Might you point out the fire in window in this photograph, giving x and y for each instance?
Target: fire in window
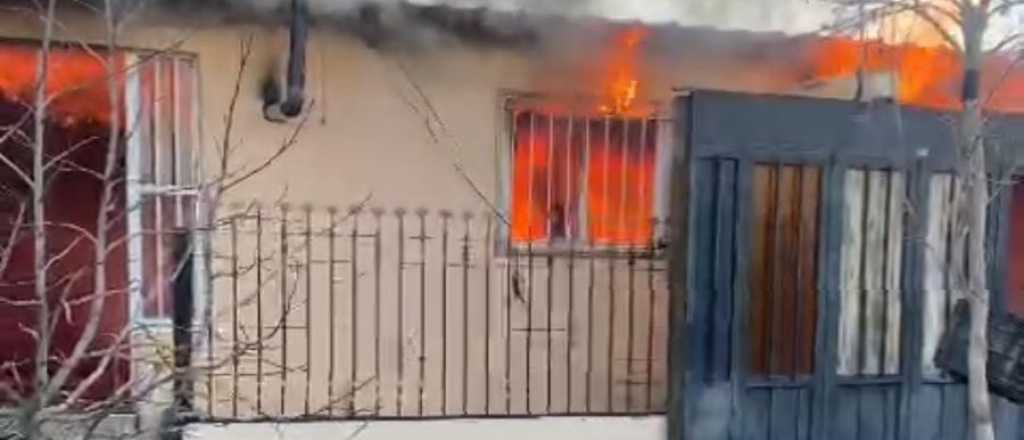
(583, 179)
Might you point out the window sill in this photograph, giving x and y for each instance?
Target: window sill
(572, 249)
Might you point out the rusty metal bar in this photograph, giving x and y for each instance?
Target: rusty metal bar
(568, 325)
(631, 309)
(651, 314)
(551, 176)
(445, 217)
(234, 319)
(511, 286)
(400, 394)
(588, 230)
(465, 314)
(309, 305)
(332, 280)
(610, 363)
(377, 214)
(547, 332)
(259, 310)
(422, 214)
(624, 182)
(605, 220)
(529, 181)
(529, 322)
(570, 210)
(487, 315)
(354, 311)
(571, 233)
(590, 327)
(284, 305)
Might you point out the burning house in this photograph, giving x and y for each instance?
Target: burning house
(400, 213)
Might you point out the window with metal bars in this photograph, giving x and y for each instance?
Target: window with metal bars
(162, 185)
(583, 180)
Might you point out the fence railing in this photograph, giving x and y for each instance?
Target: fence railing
(421, 313)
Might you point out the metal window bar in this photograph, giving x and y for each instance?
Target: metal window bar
(165, 160)
(634, 363)
(546, 145)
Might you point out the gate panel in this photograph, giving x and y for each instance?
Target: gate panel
(710, 312)
(866, 412)
(835, 340)
(783, 297)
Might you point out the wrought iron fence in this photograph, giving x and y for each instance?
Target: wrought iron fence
(373, 313)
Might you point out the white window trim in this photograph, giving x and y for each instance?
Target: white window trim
(136, 191)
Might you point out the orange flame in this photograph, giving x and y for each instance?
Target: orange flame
(924, 76)
(622, 71)
(76, 82)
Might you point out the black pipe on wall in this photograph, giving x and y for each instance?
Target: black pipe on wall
(279, 108)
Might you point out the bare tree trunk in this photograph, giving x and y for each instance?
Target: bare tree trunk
(31, 407)
(975, 200)
(974, 179)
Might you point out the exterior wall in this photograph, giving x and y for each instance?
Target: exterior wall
(567, 428)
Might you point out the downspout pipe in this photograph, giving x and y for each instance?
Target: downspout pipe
(276, 107)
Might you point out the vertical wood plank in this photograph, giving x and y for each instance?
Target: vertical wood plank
(934, 303)
(807, 289)
(850, 280)
(873, 299)
(893, 280)
(761, 266)
(784, 301)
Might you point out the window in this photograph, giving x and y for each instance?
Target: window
(162, 184)
(583, 179)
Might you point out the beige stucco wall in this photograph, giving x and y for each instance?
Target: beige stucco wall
(568, 428)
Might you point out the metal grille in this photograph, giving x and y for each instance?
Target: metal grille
(583, 179)
(162, 186)
(401, 313)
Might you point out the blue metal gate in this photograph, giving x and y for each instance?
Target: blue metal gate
(814, 246)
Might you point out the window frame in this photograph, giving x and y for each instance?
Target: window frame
(140, 191)
(510, 103)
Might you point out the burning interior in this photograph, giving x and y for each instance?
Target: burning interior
(77, 142)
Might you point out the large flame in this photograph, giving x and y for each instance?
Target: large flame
(76, 83)
(621, 65)
(923, 76)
